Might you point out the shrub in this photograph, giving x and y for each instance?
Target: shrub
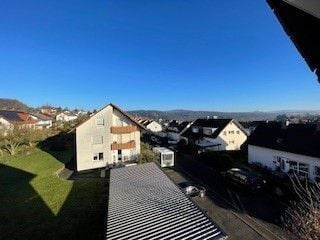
(146, 154)
(302, 219)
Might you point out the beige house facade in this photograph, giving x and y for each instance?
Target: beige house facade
(216, 134)
(108, 137)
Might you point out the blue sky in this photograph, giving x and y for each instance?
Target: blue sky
(161, 54)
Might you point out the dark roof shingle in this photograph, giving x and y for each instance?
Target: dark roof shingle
(296, 138)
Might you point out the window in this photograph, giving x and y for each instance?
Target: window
(99, 121)
(98, 156)
(167, 157)
(207, 131)
(97, 140)
(225, 133)
(300, 169)
(231, 142)
(231, 132)
(238, 132)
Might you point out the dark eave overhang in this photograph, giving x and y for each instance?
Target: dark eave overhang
(301, 21)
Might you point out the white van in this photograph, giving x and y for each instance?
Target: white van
(165, 156)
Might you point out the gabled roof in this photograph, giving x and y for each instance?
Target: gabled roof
(127, 115)
(301, 139)
(42, 116)
(301, 21)
(16, 117)
(11, 116)
(183, 125)
(119, 110)
(178, 127)
(219, 124)
(251, 124)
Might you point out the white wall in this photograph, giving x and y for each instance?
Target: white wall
(228, 141)
(89, 129)
(266, 157)
(65, 118)
(154, 127)
(5, 124)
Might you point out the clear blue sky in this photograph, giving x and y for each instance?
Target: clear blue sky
(142, 54)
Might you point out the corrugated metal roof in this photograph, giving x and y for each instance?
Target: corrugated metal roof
(145, 204)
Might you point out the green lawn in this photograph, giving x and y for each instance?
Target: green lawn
(36, 204)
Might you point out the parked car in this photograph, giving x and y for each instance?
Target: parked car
(245, 178)
(192, 190)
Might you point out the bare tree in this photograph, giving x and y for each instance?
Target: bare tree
(33, 136)
(12, 140)
(302, 219)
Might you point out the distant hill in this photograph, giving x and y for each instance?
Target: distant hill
(13, 104)
(189, 115)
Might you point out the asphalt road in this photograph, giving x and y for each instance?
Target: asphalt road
(263, 209)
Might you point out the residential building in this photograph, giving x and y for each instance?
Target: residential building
(66, 117)
(216, 134)
(292, 149)
(175, 129)
(48, 111)
(44, 121)
(251, 126)
(10, 119)
(110, 136)
(152, 125)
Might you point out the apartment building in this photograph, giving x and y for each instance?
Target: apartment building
(108, 137)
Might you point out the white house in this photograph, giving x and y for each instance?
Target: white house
(110, 136)
(292, 149)
(11, 118)
(152, 125)
(66, 117)
(216, 134)
(44, 121)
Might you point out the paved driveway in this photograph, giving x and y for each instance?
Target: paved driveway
(261, 210)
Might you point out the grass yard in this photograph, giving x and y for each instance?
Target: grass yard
(36, 204)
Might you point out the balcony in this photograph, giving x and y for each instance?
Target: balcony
(124, 129)
(127, 145)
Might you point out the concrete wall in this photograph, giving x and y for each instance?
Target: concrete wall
(266, 157)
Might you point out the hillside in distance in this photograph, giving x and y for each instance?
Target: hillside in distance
(188, 115)
(13, 104)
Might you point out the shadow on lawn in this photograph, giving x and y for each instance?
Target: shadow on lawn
(25, 215)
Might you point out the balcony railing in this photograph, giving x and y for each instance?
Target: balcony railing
(124, 129)
(127, 145)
